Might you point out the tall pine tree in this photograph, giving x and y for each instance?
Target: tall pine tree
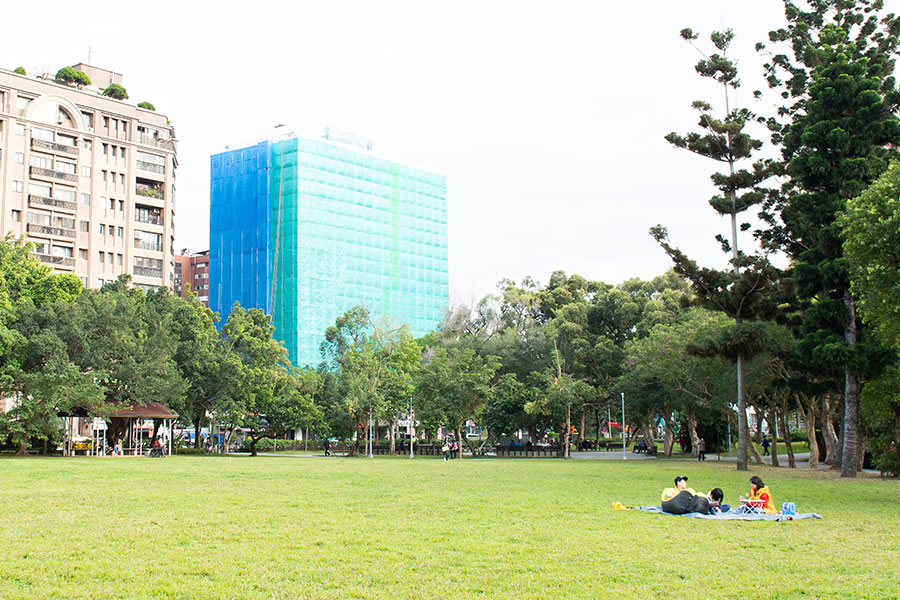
(838, 129)
(743, 292)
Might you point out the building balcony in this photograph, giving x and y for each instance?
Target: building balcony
(52, 175)
(47, 230)
(140, 245)
(54, 203)
(149, 191)
(54, 147)
(151, 220)
(150, 167)
(58, 261)
(148, 272)
(157, 143)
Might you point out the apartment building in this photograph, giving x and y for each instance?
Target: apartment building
(306, 228)
(192, 274)
(88, 179)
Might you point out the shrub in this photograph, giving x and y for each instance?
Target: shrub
(116, 91)
(69, 76)
(20, 71)
(66, 75)
(147, 106)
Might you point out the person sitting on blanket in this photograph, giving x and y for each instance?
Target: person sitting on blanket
(681, 499)
(715, 501)
(759, 491)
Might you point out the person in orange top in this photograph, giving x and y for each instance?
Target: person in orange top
(759, 491)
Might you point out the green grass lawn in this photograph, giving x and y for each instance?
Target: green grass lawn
(280, 527)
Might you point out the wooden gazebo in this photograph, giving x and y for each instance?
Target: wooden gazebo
(136, 414)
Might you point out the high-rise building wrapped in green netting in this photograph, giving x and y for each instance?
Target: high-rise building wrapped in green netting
(307, 228)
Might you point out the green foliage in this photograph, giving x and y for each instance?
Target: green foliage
(838, 130)
(146, 105)
(116, 91)
(20, 71)
(871, 230)
(71, 76)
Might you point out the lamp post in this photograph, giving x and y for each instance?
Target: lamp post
(411, 429)
(371, 439)
(623, 427)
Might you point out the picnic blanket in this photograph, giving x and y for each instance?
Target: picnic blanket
(732, 515)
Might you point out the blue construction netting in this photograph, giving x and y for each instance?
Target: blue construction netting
(239, 245)
(325, 228)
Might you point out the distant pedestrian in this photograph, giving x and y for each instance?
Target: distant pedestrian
(327, 445)
(446, 450)
(701, 449)
(766, 443)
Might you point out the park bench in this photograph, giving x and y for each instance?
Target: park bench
(524, 452)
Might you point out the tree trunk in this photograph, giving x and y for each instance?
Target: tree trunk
(393, 442)
(751, 446)
(599, 429)
(743, 428)
(850, 434)
(459, 441)
(197, 433)
(581, 428)
(809, 418)
(692, 430)
(773, 432)
(568, 433)
(253, 446)
(669, 439)
(792, 462)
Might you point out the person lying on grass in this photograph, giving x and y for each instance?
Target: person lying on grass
(681, 499)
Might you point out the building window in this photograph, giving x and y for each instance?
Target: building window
(105, 124)
(82, 252)
(64, 194)
(119, 259)
(112, 204)
(121, 206)
(102, 256)
(42, 134)
(39, 189)
(17, 185)
(85, 198)
(112, 230)
(85, 227)
(86, 170)
(105, 149)
(102, 229)
(122, 178)
(20, 158)
(20, 128)
(65, 167)
(41, 162)
(119, 232)
(16, 215)
(88, 144)
(148, 241)
(89, 120)
(22, 102)
(103, 176)
(122, 151)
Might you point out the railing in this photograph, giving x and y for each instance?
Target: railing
(151, 167)
(148, 272)
(36, 143)
(48, 230)
(150, 220)
(54, 174)
(56, 260)
(148, 246)
(42, 201)
(151, 141)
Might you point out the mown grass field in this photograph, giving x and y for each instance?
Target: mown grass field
(281, 527)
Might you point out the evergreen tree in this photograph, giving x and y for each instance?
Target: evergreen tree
(742, 292)
(838, 129)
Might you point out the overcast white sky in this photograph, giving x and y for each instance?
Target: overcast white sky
(547, 117)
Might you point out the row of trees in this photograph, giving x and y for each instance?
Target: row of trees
(66, 350)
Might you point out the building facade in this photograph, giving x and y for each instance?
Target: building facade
(307, 228)
(192, 274)
(89, 180)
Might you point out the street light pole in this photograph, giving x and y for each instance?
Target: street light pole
(371, 439)
(411, 429)
(623, 426)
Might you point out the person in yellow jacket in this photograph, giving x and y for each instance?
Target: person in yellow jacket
(759, 491)
(681, 499)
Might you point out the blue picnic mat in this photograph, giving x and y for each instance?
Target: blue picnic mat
(732, 515)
